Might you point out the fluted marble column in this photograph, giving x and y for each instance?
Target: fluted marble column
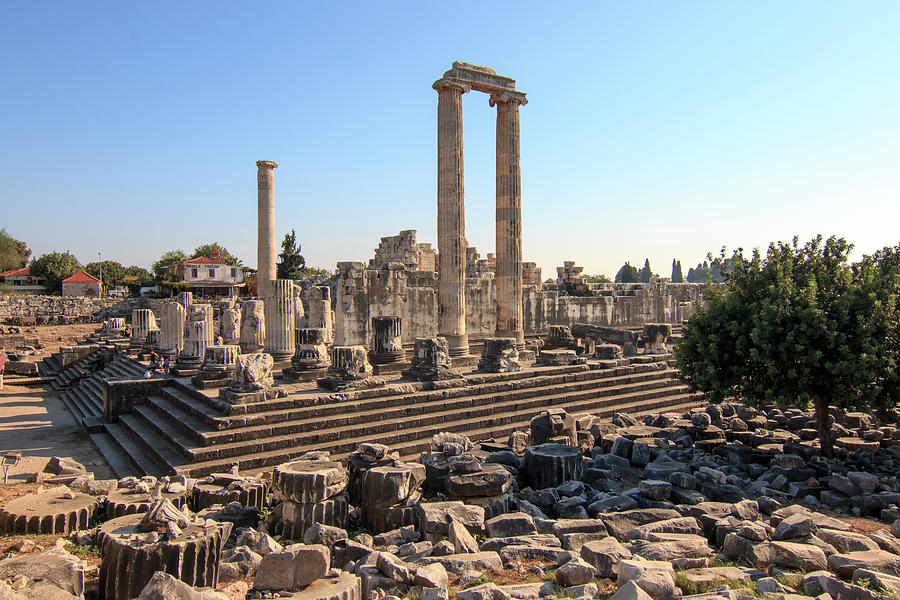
(220, 360)
(253, 326)
(387, 346)
(311, 352)
(230, 325)
(451, 223)
(320, 314)
(265, 234)
(142, 321)
(172, 325)
(508, 280)
(195, 342)
(280, 315)
(185, 298)
(113, 326)
(203, 312)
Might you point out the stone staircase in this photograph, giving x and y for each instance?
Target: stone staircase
(185, 430)
(47, 368)
(80, 386)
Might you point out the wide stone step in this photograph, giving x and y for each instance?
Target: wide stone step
(418, 439)
(189, 413)
(267, 452)
(151, 439)
(167, 427)
(88, 403)
(94, 393)
(94, 386)
(188, 402)
(474, 383)
(135, 452)
(187, 422)
(119, 371)
(48, 366)
(114, 456)
(442, 408)
(73, 403)
(327, 405)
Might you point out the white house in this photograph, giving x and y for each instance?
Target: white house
(210, 276)
(23, 281)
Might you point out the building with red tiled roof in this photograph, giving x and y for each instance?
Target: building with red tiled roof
(202, 260)
(81, 283)
(81, 277)
(22, 280)
(209, 276)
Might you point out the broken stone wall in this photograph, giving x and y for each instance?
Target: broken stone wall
(56, 306)
(412, 295)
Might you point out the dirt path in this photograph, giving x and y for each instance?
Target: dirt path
(35, 421)
(51, 337)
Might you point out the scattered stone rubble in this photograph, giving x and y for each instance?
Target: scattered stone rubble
(721, 502)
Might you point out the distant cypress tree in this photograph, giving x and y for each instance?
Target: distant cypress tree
(646, 273)
(677, 277)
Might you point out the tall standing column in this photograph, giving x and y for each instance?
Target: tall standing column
(172, 336)
(451, 223)
(280, 315)
(509, 218)
(265, 234)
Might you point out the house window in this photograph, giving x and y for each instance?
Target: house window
(212, 273)
(194, 273)
(234, 272)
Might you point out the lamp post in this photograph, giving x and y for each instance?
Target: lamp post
(100, 263)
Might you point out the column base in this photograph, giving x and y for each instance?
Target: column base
(458, 344)
(518, 335)
(302, 375)
(280, 355)
(383, 358)
(466, 360)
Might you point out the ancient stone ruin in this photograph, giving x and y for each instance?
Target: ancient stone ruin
(575, 505)
(439, 425)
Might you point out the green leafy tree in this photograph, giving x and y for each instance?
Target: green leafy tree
(711, 272)
(55, 266)
(161, 266)
(290, 263)
(627, 274)
(798, 326)
(677, 276)
(699, 274)
(135, 278)
(13, 253)
(599, 278)
(208, 250)
(113, 272)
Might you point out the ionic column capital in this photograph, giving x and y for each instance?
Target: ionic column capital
(267, 164)
(448, 83)
(518, 97)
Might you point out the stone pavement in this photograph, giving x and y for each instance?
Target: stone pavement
(36, 422)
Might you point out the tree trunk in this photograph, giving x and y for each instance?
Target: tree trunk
(822, 421)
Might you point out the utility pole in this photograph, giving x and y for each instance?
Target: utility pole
(100, 262)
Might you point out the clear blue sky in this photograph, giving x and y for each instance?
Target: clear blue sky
(653, 129)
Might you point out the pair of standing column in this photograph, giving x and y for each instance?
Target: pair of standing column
(451, 217)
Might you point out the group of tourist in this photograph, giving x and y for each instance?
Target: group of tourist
(159, 364)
